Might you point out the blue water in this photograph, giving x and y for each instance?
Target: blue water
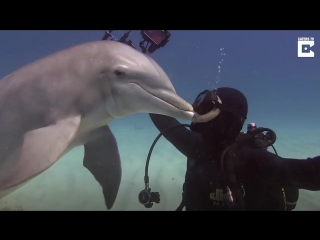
(282, 89)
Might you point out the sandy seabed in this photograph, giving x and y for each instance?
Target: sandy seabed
(67, 185)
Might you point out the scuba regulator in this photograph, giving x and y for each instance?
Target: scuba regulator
(259, 137)
(152, 39)
(146, 197)
(254, 137)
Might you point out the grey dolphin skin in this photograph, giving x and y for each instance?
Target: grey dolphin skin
(67, 99)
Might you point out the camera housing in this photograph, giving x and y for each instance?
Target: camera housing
(151, 39)
(156, 39)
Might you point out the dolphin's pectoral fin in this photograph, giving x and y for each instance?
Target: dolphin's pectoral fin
(41, 148)
(102, 159)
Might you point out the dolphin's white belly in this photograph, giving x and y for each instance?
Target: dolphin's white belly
(85, 134)
(7, 165)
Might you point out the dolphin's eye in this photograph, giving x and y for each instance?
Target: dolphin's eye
(118, 73)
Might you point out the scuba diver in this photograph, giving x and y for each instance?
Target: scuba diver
(223, 175)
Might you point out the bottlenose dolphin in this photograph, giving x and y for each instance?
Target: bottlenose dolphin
(67, 99)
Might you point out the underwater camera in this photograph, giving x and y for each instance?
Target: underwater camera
(152, 39)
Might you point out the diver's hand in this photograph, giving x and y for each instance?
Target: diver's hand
(197, 118)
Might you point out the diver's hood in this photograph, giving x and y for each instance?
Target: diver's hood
(228, 124)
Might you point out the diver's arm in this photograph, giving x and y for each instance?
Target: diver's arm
(300, 173)
(181, 137)
(304, 173)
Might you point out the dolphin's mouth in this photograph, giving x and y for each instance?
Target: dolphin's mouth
(170, 98)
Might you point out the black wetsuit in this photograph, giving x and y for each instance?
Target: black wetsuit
(265, 173)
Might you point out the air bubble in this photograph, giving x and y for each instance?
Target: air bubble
(222, 53)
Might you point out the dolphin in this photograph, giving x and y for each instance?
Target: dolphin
(67, 99)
